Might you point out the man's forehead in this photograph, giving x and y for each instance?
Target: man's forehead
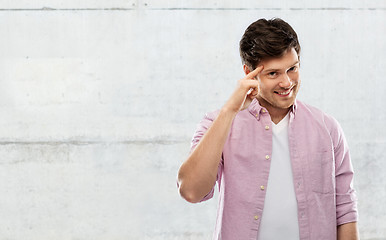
(286, 61)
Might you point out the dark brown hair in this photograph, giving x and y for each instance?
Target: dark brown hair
(265, 39)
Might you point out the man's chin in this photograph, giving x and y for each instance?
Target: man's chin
(282, 105)
(273, 103)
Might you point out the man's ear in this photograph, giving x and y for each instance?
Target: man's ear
(246, 69)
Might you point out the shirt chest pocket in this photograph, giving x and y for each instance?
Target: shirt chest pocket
(321, 171)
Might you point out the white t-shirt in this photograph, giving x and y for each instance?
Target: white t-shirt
(280, 214)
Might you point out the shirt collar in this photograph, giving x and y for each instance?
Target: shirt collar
(256, 109)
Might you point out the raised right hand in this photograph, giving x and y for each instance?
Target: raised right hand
(247, 89)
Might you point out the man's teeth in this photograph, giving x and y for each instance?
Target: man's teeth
(284, 93)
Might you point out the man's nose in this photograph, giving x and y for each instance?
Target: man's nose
(285, 81)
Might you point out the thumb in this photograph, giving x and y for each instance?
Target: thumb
(247, 102)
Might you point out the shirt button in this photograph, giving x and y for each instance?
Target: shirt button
(263, 110)
(256, 217)
(267, 157)
(266, 127)
(256, 114)
(262, 187)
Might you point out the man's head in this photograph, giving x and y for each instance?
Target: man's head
(274, 45)
(265, 39)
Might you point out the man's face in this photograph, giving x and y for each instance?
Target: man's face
(279, 82)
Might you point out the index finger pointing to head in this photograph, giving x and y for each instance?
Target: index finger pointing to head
(255, 72)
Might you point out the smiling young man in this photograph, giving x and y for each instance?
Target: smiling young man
(283, 167)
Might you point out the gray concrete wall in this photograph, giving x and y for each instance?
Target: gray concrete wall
(99, 100)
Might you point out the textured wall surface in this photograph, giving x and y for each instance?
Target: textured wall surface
(99, 100)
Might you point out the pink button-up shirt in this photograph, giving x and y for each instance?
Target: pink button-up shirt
(321, 166)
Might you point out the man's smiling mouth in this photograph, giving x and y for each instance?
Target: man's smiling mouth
(285, 93)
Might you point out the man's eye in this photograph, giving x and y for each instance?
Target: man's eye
(272, 74)
(292, 69)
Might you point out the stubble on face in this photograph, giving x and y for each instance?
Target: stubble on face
(273, 89)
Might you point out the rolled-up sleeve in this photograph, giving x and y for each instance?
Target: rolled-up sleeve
(346, 199)
(202, 127)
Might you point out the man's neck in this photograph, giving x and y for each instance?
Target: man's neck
(277, 117)
(277, 114)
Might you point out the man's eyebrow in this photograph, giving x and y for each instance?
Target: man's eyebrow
(277, 69)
